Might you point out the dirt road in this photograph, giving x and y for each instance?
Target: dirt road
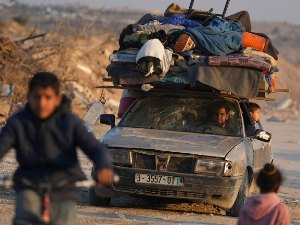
(127, 210)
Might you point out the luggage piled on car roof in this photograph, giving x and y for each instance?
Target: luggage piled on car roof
(195, 49)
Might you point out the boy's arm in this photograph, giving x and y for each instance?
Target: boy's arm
(91, 146)
(7, 138)
(96, 152)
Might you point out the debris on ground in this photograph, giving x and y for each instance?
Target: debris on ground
(75, 56)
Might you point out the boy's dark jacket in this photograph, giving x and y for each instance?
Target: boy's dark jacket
(46, 150)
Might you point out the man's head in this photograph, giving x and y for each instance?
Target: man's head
(254, 111)
(223, 115)
(43, 96)
(190, 117)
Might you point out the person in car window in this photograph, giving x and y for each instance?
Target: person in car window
(190, 118)
(223, 114)
(170, 121)
(255, 114)
(254, 111)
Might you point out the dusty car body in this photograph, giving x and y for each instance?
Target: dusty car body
(201, 161)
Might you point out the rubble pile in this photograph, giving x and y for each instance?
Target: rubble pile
(8, 51)
(78, 58)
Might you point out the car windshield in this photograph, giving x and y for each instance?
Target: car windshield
(217, 116)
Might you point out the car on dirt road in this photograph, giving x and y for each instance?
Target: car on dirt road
(188, 146)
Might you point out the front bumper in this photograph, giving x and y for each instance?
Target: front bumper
(219, 191)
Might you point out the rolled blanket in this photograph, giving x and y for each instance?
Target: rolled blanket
(239, 60)
(257, 42)
(252, 52)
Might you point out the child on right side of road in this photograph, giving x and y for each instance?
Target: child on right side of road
(265, 208)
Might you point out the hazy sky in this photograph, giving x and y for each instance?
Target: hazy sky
(260, 10)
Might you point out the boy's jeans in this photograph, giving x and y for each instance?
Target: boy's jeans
(28, 209)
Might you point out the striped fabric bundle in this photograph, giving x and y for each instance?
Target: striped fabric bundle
(240, 60)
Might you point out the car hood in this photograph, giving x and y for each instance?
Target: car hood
(170, 141)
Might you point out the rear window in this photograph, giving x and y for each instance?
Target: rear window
(217, 116)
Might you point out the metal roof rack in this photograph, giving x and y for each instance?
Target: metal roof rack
(224, 11)
(194, 91)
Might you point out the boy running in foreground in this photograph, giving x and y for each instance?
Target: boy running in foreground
(45, 135)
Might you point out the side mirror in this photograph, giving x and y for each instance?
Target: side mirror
(262, 135)
(108, 119)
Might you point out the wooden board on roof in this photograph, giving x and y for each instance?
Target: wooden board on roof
(263, 93)
(221, 93)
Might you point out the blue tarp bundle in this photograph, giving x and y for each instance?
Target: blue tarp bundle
(220, 37)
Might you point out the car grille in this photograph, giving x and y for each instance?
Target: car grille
(143, 161)
(176, 164)
(180, 165)
(158, 192)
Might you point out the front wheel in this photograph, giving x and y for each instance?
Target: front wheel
(241, 197)
(94, 199)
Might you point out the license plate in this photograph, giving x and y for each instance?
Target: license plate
(158, 179)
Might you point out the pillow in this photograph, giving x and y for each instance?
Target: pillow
(184, 43)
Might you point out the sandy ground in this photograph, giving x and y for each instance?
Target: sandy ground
(127, 210)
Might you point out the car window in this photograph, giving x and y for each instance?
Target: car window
(185, 114)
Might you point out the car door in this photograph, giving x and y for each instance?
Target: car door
(267, 148)
(260, 156)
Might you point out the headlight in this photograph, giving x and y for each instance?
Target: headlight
(213, 167)
(121, 157)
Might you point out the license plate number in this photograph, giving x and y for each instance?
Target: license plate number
(158, 179)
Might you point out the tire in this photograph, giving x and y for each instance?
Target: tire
(94, 199)
(241, 197)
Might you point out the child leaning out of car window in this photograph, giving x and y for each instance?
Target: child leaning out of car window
(265, 208)
(254, 110)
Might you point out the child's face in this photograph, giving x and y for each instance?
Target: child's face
(43, 101)
(255, 115)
